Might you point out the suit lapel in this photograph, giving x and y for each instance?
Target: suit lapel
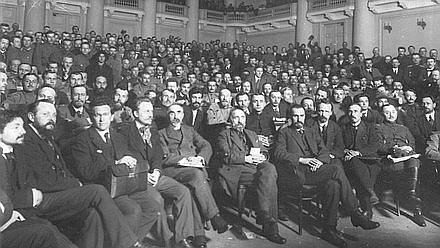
(138, 143)
(296, 137)
(41, 143)
(360, 132)
(236, 140)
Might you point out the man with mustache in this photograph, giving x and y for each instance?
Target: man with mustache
(194, 115)
(304, 158)
(181, 143)
(360, 155)
(101, 89)
(397, 139)
(241, 166)
(121, 112)
(18, 226)
(423, 124)
(57, 195)
(76, 113)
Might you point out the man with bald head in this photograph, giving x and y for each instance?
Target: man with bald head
(244, 161)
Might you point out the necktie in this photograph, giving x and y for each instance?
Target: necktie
(146, 135)
(431, 121)
(107, 138)
(9, 156)
(324, 133)
(78, 114)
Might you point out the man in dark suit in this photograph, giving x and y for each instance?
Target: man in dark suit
(329, 130)
(98, 148)
(396, 71)
(261, 121)
(194, 115)
(369, 72)
(303, 158)
(241, 165)
(182, 146)
(361, 143)
(425, 123)
(17, 230)
(143, 142)
(258, 79)
(55, 194)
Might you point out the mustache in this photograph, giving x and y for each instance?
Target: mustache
(322, 119)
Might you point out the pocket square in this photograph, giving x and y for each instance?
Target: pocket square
(99, 151)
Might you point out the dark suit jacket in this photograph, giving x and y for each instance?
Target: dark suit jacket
(421, 129)
(334, 137)
(233, 154)
(21, 197)
(137, 146)
(370, 76)
(41, 167)
(200, 121)
(91, 158)
(288, 149)
(366, 140)
(7, 204)
(192, 144)
(258, 88)
(399, 76)
(283, 109)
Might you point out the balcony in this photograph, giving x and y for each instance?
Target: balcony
(172, 9)
(125, 4)
(330, 10)
(383, 6)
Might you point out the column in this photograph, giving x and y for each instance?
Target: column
(363, 27)
(192, 28)
(149, 19)
(231, 34)
(95, 17)
(303, 26)
(34, 15)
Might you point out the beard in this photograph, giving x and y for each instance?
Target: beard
(322, 119)
(298, 125)
(175, 121)
(46, 130)
(118, 106)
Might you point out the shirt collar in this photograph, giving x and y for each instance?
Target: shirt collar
(6, 148)
(102, 134)
(80, 109)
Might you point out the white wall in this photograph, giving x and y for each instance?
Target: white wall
(279, 37)
(405, 32)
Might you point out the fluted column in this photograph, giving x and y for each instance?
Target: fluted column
(303, 26)
(363, 27)
(95, 17)
(34, 15)
(192, 28)
(149, 19)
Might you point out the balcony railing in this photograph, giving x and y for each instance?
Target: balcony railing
(327, 4)
(265, 14)
(172, 9)
(130, 4)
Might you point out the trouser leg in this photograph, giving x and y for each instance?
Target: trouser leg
(183, 209)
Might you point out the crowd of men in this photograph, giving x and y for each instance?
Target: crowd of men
(199, 117)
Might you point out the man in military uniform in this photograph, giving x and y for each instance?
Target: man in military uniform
(21, 99)
(396, 140)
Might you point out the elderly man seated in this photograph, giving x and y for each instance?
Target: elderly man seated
(244, 162)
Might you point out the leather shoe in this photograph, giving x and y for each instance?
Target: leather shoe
(332, 236)
(357, 219)
(282, 215)
(184, 243)
(276, 238)
(418, 218)
(138, 245)
(199, 241)
(219, 224)
(368, 214)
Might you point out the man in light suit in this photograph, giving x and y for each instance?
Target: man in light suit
(239, 166)
(303, 158)
(181, 143)
(369, 72)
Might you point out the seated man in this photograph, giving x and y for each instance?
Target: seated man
(98, 148)
(303, 158)
(143, 142)
(53, 193)
(181, 143)
(15, 229)
(240, 165)
(360, 156)
(396, 140)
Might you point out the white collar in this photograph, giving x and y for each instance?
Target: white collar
(102, 133)
(6, 148)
